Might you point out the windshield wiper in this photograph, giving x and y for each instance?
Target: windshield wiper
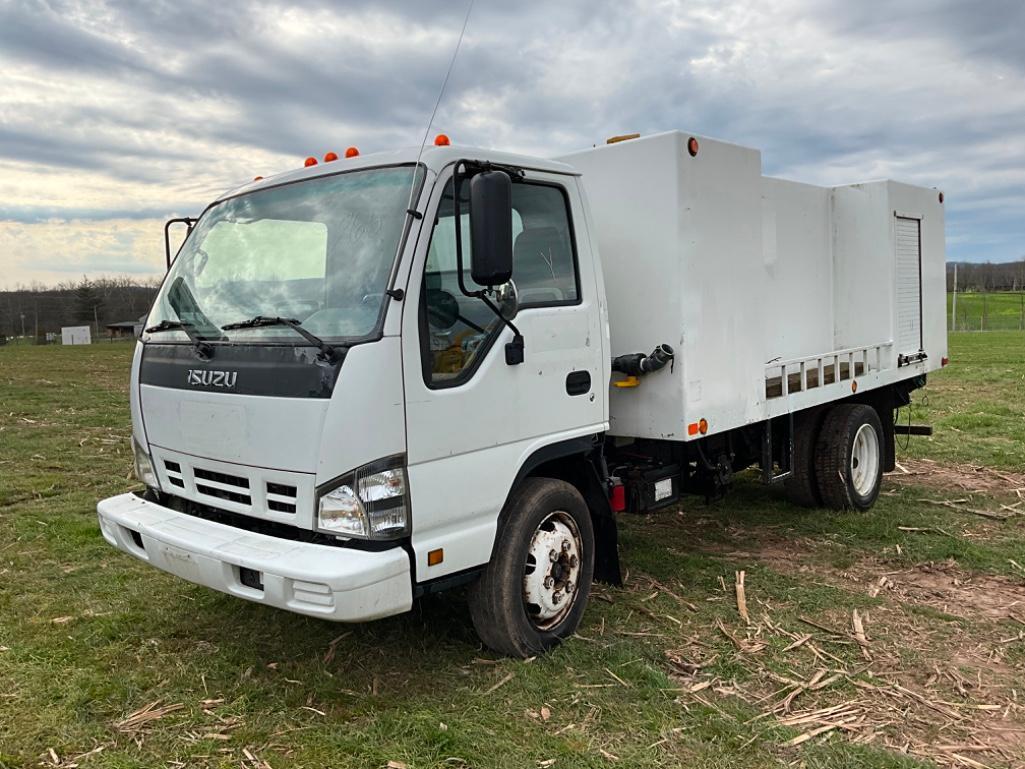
(327, 351)
(199, 342)
(168, 325)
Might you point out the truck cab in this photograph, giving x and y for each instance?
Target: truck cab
(324, 410)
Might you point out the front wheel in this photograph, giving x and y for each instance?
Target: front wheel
(849, 457)
(534, 591)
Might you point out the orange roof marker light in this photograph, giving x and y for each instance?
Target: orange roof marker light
(441, 140)
(351, 152)
(310, 162)
(693, 147)
(257, 178)
(331, 156)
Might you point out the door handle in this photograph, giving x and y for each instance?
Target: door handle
(578, 382)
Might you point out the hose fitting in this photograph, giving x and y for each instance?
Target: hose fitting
(637, 363)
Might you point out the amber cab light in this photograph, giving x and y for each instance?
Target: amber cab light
(310, 162)
(441, 140)
(331, 156)
(693, 147)
(351, 152)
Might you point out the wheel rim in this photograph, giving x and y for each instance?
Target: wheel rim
(865, 460)
(552, 571)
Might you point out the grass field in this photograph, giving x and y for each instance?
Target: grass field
(995, 311)
(105, 662)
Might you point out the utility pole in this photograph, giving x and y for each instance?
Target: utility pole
(953, 314)
(96, 321)
(23, 324)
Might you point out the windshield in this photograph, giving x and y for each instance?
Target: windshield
(320, 251)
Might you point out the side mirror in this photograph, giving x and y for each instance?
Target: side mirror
(491, 228)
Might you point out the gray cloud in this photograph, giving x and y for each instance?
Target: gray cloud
(125, 110)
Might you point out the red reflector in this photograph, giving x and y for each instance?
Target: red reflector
(351, 152)
(310, 162)
(617, 498)
(944, 360)
(692, 428)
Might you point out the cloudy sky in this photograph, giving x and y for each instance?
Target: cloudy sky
(115, 115)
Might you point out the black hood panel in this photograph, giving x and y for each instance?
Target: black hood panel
(285, 371)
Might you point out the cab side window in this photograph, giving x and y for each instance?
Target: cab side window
(459, 330)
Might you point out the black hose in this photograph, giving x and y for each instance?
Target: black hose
(637, 363)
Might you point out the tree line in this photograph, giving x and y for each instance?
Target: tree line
(987, 276)
(36, 310)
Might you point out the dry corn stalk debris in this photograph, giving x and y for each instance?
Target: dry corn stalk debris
(944, 716)
(145, 715)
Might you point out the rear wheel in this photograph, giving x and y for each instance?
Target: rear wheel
(534, 591)
(849, 457)
(800, 486)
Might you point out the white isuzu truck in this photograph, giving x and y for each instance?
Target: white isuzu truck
(382, 376)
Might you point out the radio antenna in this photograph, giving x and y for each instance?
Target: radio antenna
(437, 103)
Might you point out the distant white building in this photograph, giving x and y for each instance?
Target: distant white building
(76, 335)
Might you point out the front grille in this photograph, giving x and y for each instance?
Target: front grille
(222, 486)
(174, 473)
(231, 480)
(281, 497)
(277, 495)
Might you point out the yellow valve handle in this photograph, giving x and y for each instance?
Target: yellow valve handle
(630, 381)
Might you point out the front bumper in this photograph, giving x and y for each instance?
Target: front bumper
(338, 584)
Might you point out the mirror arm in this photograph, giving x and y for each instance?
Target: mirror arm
(513, 349)
(189, 222)
(457, 183)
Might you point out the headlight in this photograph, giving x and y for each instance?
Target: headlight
(370, 503)
(144, 466)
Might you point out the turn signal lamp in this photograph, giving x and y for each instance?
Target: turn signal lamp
(351, 152)
(330, 157)
(434, 557)
(441, 140)
(310, 162)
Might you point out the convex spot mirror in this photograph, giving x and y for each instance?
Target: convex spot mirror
(507, 300)
(491, 228)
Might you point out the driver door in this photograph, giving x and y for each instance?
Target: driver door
(472, 420)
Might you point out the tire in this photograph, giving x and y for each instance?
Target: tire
(542, 514)
(801, 486)
(849, 457)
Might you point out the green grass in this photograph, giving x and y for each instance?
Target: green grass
(994, 311)
(89, 635)
(977, 404)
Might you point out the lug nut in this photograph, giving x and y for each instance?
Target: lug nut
(549, 582)
(569, 588)
(553, 556)
(573, 561)
(565, 545)
(556, 597)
